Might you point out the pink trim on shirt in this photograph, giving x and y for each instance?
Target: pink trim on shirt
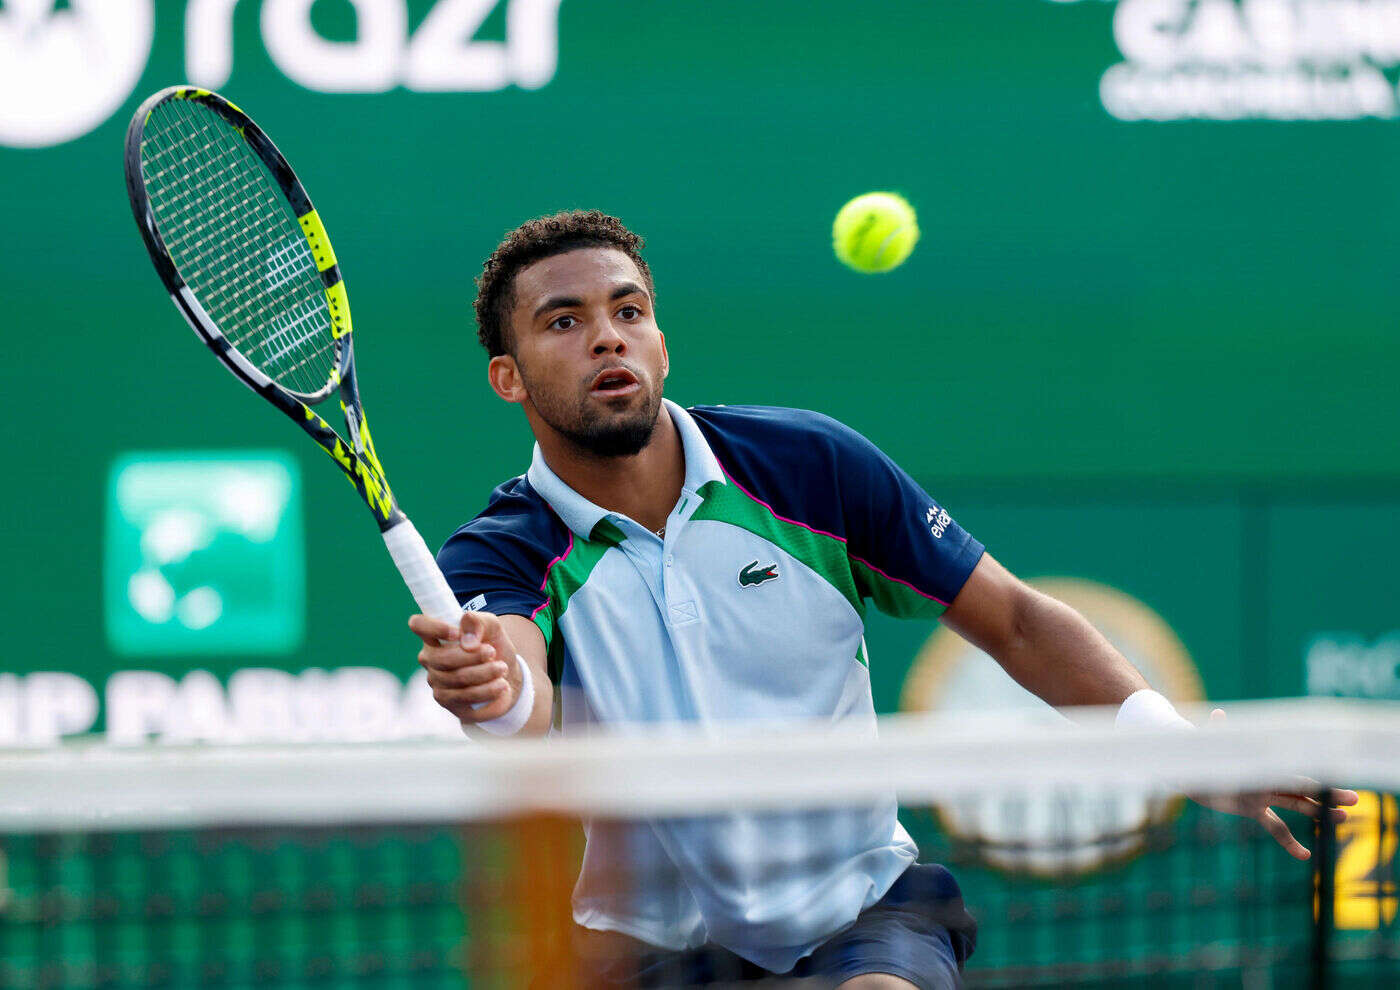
(891, 577)
(839, 539)
(549, 567)
(810, 529)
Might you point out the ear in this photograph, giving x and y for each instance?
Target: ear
(504, 375)
(665, 358)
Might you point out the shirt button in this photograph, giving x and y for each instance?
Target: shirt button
(669, 560)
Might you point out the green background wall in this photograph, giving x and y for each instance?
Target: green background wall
(1157, 355)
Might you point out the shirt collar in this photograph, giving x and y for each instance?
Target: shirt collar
(581, 515)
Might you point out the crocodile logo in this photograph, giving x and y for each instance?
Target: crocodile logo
(755, 574)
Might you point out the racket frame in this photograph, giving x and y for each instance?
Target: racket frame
(357, 458)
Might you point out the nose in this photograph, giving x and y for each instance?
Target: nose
(608, 340)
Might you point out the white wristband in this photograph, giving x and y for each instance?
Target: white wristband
(1146, 709)
(512, 721)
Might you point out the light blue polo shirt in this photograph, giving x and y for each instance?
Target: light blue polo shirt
(750, 607)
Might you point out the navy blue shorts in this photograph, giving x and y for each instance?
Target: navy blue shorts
(919, 931)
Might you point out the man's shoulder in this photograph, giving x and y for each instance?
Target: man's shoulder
(775, 426)
(798, 439)
(515, 516)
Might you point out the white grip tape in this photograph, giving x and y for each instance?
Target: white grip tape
(420, 572)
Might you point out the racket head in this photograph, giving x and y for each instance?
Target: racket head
(238, 244)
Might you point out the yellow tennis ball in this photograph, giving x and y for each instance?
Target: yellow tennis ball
(875, 232)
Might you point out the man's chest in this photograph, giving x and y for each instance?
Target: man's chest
(716, 622)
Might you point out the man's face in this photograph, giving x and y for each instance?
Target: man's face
(588, 350)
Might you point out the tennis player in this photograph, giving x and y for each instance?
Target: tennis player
(712, 565)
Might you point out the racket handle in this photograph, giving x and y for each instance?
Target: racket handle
(421, 573)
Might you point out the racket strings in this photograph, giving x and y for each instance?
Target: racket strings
(237, 244)
(307, 322)
(266, 345)
(279, 346)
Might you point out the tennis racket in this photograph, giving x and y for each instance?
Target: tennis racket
(246, 260)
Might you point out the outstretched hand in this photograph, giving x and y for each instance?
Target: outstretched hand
(1259, 805)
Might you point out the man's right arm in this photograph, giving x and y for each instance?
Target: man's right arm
(474, 664)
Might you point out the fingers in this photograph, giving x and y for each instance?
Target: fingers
(484, 711)
(1301, 803)
(474, 704)
(445, 647)
(432, 631)
(1305, 790)
(478, 627)
(1274, 825)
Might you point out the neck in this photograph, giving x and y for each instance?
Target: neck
(644, 487)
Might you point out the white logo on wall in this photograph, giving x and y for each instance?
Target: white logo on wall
(1253, 59)
(63, 72)
(1348, 665)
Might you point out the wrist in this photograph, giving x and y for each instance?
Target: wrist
(519, 713)
(1147, 709)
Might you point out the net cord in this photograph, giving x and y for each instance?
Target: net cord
(924, 759)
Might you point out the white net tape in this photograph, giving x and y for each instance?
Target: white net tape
(924, 759)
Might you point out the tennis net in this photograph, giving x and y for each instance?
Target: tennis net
(452, 864)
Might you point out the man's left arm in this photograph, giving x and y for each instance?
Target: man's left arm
(1049, 648)
(1054, 652)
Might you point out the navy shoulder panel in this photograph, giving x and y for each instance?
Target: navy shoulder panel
(907, 553)
(503, 554)
(788, 458)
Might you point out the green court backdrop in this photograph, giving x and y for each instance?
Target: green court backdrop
(1147, 341)
(1157, 354)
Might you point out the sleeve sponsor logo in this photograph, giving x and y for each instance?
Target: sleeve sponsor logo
(938, 521)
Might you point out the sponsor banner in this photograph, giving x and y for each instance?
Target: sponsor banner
(1348, 665)
(253, 705)
(1253, 59)
(204, 553)
(66, 68)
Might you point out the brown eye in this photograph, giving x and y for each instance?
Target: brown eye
(559, 323)
(629, 312)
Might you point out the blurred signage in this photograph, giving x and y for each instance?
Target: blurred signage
(1366, 895)
(1253, 59)
(204, 554)
(253, 705)
(950, 674)
(1350, 666)
(67, 65)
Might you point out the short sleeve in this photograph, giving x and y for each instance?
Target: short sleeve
(907, 554)
(498, 562)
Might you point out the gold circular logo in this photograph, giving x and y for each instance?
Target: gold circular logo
(1045, 832)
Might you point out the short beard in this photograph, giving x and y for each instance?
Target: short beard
(585, 429)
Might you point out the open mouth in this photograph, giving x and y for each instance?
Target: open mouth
(615, 382)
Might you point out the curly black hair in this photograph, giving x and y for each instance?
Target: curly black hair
(528, 243)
